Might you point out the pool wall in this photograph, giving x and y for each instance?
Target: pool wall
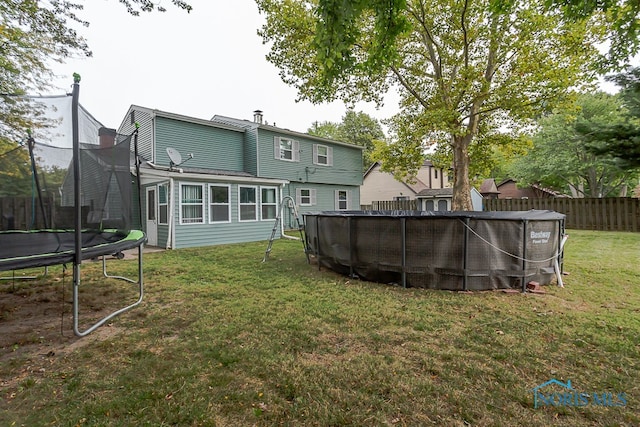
(439, 250)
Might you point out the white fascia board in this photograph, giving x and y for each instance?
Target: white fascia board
(150, 175)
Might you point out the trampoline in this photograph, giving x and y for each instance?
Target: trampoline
(457, 251)
(93, 204)
(43, 248)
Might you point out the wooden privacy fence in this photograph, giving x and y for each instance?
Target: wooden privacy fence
(391, 205)
(24, 213)
(607, 214)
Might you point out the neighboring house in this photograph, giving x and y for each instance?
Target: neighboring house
(378, 185)
(508, 189)
(439, 199)
(233, 176)
(489, 189)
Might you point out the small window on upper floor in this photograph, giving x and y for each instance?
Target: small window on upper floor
(322, 155)
(306, 196)
(132, 117)
(286, 149)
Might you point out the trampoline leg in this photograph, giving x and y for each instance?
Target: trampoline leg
(76, 284)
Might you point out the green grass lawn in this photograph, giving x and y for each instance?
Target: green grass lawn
(223, 339)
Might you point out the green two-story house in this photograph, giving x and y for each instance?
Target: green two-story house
(208, 182)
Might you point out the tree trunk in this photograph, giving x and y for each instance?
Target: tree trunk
(461, 186)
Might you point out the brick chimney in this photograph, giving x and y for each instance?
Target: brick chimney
(107, 137)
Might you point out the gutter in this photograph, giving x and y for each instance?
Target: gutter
(167, 172)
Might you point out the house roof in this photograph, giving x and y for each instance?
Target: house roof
(436, 192)
(164, 172)
(535, 187)
(183, 118)
(416, 186)
(488, 186)
(374, 164)
(248, 124)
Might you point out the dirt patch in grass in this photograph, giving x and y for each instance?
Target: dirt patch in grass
(36, 320)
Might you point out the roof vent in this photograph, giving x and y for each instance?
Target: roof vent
(257, 116)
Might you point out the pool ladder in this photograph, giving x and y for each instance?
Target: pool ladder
(291, 204)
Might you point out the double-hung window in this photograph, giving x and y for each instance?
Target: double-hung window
(343, 200)
(286, 149)
(248, 200)
(191, 204)
(306, 196)
(163, 204)
(322, 155)
(268, 202)
(219, 203)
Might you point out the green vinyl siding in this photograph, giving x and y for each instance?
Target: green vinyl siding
(250, 151)
(208, 234)
(145, 131)
(324, 199)
(345, 170)
(212, 147)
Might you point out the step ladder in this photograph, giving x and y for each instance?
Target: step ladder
(291, 204)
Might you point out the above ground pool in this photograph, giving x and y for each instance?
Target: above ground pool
(439, 250)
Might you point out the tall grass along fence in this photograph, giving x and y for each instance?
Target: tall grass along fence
(607, 214)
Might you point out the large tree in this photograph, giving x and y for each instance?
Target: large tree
(464, 69)
(357, 128)
(560, 158)
(623, 37)
(33, 34)
(621, 140)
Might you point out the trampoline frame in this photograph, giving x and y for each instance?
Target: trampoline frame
(135, 238)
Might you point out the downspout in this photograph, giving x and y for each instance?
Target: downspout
(281, 209)
(171, 241)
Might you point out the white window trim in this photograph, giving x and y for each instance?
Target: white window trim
(228, 204)
(295, 149)
(316, 156)
(269, 204)
(256, 203)
(166, 185)
(313, 200)
(337, 200)
(202, 204)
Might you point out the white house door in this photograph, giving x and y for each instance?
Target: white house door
(152, 217)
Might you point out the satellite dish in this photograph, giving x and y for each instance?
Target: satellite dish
(174, 156)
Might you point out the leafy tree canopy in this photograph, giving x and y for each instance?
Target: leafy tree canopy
(32, 34)
(624, 18)
(621, 140)
(560, 159)
(465, 70)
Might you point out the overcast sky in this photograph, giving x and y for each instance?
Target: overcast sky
(210, 61)
(207, 62)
